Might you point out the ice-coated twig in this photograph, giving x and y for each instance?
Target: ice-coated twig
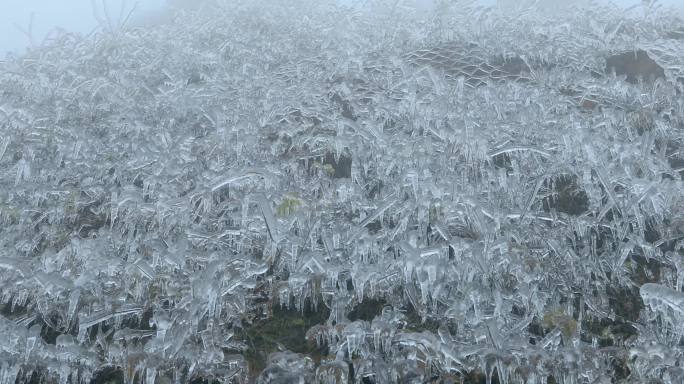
(87, 321)
(267, 213)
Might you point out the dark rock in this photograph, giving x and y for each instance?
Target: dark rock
(503, 161)
(203, 380)
(567, 196)
(470, 62)
(608, 332)
(644, 270)
(345, 105)
(341, 166)
(621, 370)
(374, 227)
(625, 302)
(512, 68)
(194, 78)
(367, 310)
(138, 181)
(635, 65)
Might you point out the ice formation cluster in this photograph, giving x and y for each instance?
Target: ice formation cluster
(296, 192)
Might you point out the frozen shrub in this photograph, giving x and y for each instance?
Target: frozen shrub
(290, 191)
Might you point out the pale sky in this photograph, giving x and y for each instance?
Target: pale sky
(77, 15)
(72, 15)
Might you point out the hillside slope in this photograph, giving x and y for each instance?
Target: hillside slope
(286, 191)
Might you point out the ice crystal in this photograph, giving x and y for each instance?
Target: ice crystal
(292, 191)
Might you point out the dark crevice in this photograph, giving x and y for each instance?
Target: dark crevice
(635, 66)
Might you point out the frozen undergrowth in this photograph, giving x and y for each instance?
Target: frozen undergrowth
(506, 209)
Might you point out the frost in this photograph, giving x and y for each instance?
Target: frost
(289, 191)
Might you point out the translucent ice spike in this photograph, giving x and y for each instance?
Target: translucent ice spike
(333, 372)
(98, 317)
(518, 148)
(73, 304)
(225, 181)
(387, 203)
(11, 264)
(52, 282)
(267, 212)
(287, 367)
(9, 372)
(658, 296)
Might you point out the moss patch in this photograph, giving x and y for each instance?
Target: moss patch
(108, 375)
(644, 270)
(477, 377)
(564, 322)
(286, 329)
(414, 323)
(288, 206)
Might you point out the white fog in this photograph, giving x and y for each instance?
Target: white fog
(367, 192)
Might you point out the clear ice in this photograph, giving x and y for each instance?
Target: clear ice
(277, 191)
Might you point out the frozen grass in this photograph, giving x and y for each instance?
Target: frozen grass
(286, 190)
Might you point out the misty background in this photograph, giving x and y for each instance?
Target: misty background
(26, 22)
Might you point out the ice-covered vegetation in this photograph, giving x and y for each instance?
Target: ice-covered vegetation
(289, 191)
